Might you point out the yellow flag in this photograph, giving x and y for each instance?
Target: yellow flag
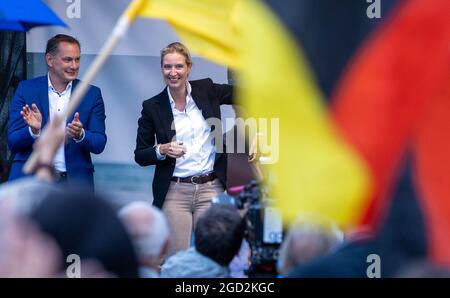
(206, 26)
(313, 170)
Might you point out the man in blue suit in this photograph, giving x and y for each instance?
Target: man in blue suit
(35, 103)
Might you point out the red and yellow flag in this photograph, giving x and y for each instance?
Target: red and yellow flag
(396, 96)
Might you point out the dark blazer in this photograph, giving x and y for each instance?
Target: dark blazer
(156, 120)
(77, 155)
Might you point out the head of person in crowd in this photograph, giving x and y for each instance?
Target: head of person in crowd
(308, 238)
(150, 233)
(176, 65)
(20, 197)
(27, 252)
(218, 238)
(62, 55)
(219, 233)
(84, 226)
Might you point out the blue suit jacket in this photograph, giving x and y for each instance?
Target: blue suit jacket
(78, 155)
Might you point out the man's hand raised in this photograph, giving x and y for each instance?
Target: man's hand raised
(32, 117)
(75, 128)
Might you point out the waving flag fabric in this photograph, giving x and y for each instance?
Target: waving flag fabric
(396, 96)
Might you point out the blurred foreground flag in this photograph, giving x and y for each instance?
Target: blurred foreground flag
(314, 170)
(395, 97)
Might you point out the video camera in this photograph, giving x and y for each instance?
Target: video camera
(264, 228)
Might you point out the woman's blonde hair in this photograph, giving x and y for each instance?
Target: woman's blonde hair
(177, 47)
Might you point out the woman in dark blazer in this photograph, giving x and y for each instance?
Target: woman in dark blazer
(190, 163)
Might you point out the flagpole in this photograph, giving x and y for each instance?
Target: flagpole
(120, 29)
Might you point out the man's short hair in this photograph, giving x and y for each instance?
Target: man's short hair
(52, 43)
(22, 196)
(219, 233)
(150, 235)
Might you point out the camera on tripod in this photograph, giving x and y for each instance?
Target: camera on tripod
(264, 228)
